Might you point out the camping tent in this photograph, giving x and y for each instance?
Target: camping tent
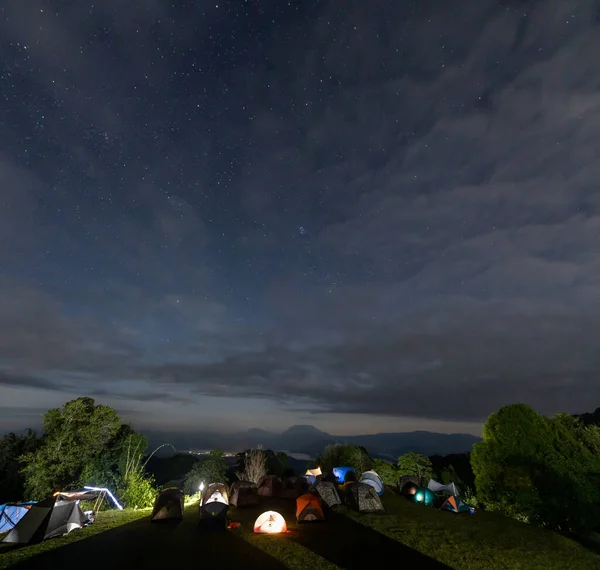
(168, 505)
(243, 494)
(364, 499)
(342, 474)
(424, 496)
(328, 493)
(309, 509)
(12, 513)
(293, 487)
(436, 487)
(213, 515)
(455, 504)
(409, 489)
(216, 492)
(373, 479)
(51, 517)
(270, 522)
(313, 472)
(269, 486)
(405, 479)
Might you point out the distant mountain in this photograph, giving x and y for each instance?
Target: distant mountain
(309, 440)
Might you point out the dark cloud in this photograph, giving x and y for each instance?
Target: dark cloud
(396, 214)
(7, 378)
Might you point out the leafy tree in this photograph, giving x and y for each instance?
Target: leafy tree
(73, 437)
(338, 454)
(12, 447)
(254, 466)
(413, 463)
(541, 470)
(387, 471)
(211, 469)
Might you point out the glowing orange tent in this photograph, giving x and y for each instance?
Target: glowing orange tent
(309, 509)
(270, 522)
(313, 472)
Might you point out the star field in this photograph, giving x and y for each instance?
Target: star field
(327, 212)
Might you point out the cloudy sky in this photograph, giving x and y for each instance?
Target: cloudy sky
(367, 216)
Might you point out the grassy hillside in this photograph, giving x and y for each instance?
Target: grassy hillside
(483, 540)
(415, 535)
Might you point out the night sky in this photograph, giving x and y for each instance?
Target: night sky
(363, 215)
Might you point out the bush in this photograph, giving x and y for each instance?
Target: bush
(138, 491)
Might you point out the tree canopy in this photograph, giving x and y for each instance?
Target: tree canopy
(73, 436)
(340, 454)
(387, 471)
(86, 444)
(413, 463)
(538, 469)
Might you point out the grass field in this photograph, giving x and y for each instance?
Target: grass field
(105, 520)
(480, 541)
(409, 534)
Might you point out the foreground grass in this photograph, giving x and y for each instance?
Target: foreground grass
(105, 520)
(480, 541)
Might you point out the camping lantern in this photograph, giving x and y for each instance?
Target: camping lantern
(270, 522)
(201, 488)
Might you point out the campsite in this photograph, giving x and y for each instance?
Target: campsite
(107, 503)
(407, 531)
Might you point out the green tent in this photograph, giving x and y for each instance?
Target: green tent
(424, 496)
(455, 504)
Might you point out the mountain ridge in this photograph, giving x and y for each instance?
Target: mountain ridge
(309, 440)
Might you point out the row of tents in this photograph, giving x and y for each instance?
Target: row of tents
(217, 498)
(435, 494)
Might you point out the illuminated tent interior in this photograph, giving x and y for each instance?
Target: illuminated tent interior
(270, 522)
(424, 496)
(344, 474)
(216, 492)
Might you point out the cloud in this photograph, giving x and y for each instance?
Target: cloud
(443, 166)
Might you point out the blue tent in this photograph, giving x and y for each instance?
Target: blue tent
(11, 514)
(341, 473)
